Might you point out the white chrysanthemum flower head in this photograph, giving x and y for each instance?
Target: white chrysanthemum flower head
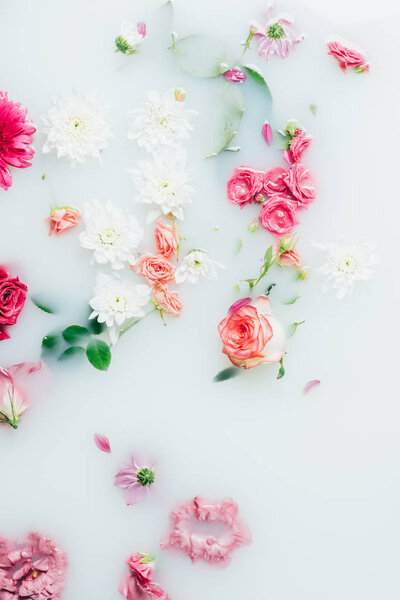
(130, 38)
(77, 126)
(115, 300)
(164, 184)
(195, 264)
(162, 122)
(111, 233)
(346, 263)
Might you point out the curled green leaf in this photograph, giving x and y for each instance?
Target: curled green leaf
(42, 306)
(281, 371)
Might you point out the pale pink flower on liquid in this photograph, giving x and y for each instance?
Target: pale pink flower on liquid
(155, 268)
(14, 398)
(136, 480)
(62, 219)
(348, 58)
(297, 181)
(167, 300)
(277, 36)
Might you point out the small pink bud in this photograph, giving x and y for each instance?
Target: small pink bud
(141, 27)
(267, 133)
(235, 75)
(180, 95)
(102, 442)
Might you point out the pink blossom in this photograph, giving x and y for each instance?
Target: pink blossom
(62, 219)
(16, 135)
(32, 569)
(274, 182)
(138, 584)
(141, 27)
(277, 36)
(298, 144)
(167, 300)
(136, 480)
(155, 268)
(207, 547)
(244, 185)
(279, 214)
(289, 258)
(296, 180)
(235, 75)
(14, 399)
(102, 442)
(167, 239)
(348, 58)
(266, 132)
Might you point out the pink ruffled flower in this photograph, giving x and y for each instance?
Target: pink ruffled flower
(252, 335)
(167, 239)
(62, 219)
(274, 182)
(14, 389)
(279, 214)
(207, 547)
(348, 58)
(235, 75)
(277, 37)
(33, 569)
(298, 144)
(16, 135)
(244, 185)
(12, 300)
(138, 585)
(167, 300)
(296, 180)
(156, 268)
(136, 480)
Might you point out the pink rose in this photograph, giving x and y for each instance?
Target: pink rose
(166, 239)
(290, 258)
(156, 269)
(273, 182)
(347, 57)
(279, 214)
(297, 146)
(142, 570)
(167, 300)
(252, 335)
(244, 185)
(12, 300)
(296, 179)
(62, 219)
(235, 75)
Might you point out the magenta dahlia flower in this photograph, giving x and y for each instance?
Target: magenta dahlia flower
(16, 135)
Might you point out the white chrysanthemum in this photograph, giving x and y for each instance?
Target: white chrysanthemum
(115, 300)
(163, 183)
(347, 262)
(112, 233)
(77, 126)
(197, 263)
(162, 122)
(131, 37)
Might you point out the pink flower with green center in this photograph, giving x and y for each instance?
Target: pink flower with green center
(277, 36)
(136, 479)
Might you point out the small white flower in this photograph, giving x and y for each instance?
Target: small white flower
(115, 300)
(112, 233)
(197, 263)
(163, 183)
(77, 126)
(160, 123)
(347, 262)
(130, 38)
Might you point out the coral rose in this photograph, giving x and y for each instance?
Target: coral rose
(296, 148)
(348, 58)
(296, 180)
(279, 215)
(156, 268)
(62, 219)
(167, 300)
(244, 185)
(252, 335)
(12, 300)
(273, 182)
(166, 239)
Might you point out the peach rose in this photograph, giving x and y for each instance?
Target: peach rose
(62, 219)
(167, 300)
(252, 335)
(166, 239)
(156, 268)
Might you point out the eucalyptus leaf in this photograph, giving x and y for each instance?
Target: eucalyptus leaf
(226, 374)
(202, 55)
(71, 352)
(75, 334)
(229, 113)
(42, 306)
(98, 354)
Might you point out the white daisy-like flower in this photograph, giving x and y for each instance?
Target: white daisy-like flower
(162, 122)
(163, 183)
(115, 300)
(346, 263)
(112, 233)
(77, 126)
(195, 264)
(130, 38)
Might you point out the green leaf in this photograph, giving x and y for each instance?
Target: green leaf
(256, 75)
(294, 326)
(281, 371)
(42, 306)
(75, 333)
(314, 108)
(49, 342)
(269, 289)
(43, 176)
(99, 354)
(268, 257)
(96, 327)
(292, 301)
(226, 374)
(238, 247)
(228, 115)
(202, 55)
(71, 352)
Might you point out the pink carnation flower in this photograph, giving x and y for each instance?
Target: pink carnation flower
(136, 480)
(348, 58)
(16, 135)
(62, 219)
(33, 569)
(14, 386)
(296, 180)
(279, 215)
(277, 37)
(244, 185)
(298, 144)
(138, 584)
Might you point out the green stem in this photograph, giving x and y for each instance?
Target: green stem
(246, 45)
(133, 322)
(174, 44)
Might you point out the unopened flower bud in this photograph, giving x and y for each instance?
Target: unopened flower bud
(253, 226)
(287, 243)
(303, 273)
(180, 95)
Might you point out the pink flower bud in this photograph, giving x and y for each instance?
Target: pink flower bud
(235, 75)
(141, 27)
(180, 95)
(267, 133)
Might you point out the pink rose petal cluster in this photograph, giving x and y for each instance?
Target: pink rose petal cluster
(348, 58)
(62, 219)
(12, 300)
(33, 569)
(138, 585)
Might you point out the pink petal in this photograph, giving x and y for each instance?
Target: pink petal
(310, 385)
(267, 133)
(102, 442)
(141, 27)
(135, 493)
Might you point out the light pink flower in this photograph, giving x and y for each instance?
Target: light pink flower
(244, 185)
(235, 75)
(277, 36)
(136, 480)
(156, 268)
(12, 300)
(102, 442)
(279, 214)
(273, 182)
(348, 58)
(252, 335)
(207, 547)
(167, 239)
(62, 219)
(16, 135)
(14, 388)
(168, 300)
(33, 569)
(266, 132)
(298, 144)
(296, 180)
(138, 584)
